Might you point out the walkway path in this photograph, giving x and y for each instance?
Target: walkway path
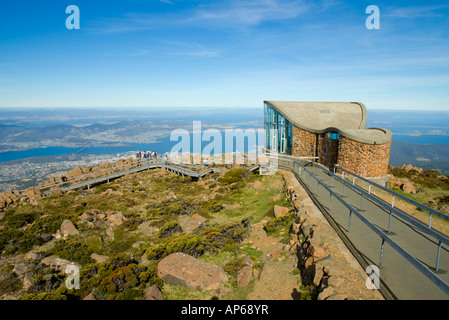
(403, 279)
(147, 165)
(276, 281)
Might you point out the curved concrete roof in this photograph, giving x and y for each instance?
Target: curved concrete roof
(347, 118)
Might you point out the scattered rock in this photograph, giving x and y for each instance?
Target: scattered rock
(57, 263)
(99, 258)
(57, 192)
(408, 187)
(182, 269)
(3, 203)
(110, 234)
(316, 250)
(110, 191)
(244, 276)
(190, 223)
(116, 219)
(276, 254)
(90, 296)
(280, 211)
(32, 193)
(90, 215)
(74, 172)
(153, 293)
(68, 229)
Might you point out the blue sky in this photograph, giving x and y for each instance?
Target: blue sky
(224, 53)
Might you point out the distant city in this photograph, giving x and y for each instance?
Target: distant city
(21, 174)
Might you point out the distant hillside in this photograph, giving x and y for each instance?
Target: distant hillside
(426, 156)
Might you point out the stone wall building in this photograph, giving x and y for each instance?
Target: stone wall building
(329, 133)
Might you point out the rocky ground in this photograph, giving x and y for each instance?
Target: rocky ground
(155, 235)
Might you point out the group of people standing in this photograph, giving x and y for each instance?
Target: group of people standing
(146, 155)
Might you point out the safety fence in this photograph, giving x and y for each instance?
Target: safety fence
(341, 207)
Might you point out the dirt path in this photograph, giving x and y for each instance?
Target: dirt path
(276, 281)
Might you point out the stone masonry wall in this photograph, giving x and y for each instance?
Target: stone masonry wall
(366, 160)
(304, 143)
(327, 150)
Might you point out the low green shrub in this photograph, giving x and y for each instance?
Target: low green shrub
(213, 206)
(169, 207)
(211, 239)
(17, 241)
(119, 278)
(73, 251)
(43, 296)
(189, 244)
(18, 220)
(47, 224)
(233, 266)
(274, 226)
(169, 229)
(9, 281)
(235, 175)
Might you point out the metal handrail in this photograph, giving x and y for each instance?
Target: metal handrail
(421, 226)
(400, 213)
(385, 238)
(400, 196)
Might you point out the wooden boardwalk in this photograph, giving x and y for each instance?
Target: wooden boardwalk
(146, 165)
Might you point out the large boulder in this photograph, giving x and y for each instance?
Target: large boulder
(99, 258)
(3, 203)
(115, 218)
(280, 211)
(32, 193)
(408, 187)
(153, 293)
(181, 269)
(75, 172)
(244, 275)
(58, 264)
(68, 229)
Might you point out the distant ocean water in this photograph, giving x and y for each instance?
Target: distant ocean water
(160, 148)
(422, 127)
(414, 127)
(164, 145)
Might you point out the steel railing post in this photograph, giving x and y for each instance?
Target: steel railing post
(438, 256)
(349, 221)
(361, 202)
(389, 221)
(381, 253)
